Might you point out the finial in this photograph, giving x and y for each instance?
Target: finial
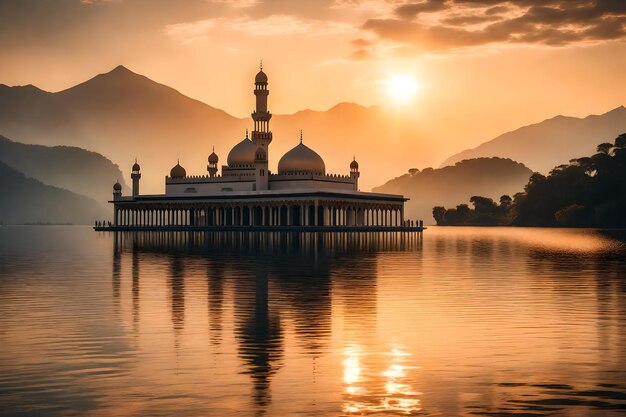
(177, 161)
(261, 65)
(300, 135)
(135, 159)
(246, 133)
(354, 157)
(213, 149)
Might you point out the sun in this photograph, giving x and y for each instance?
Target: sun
(401, 87)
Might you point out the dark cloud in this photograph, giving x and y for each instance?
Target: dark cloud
(465, 23)
(413, 9)
(495, 10)
(468, 19)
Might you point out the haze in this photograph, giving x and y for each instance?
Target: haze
(482, 67)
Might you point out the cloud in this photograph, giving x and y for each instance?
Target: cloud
(238, 4)
(190, 31)
(282, 25)
(274, 25)
(413, 9)
(361, 43)
(378, 6)
(440, 25)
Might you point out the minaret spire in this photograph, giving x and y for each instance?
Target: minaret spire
(300, 135)
(261, 134)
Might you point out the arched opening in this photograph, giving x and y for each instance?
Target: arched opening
(320, 216)
(311, 215)
(229, 216)
(283, 216)
(295, 215)
(246, 216)
(258, 216)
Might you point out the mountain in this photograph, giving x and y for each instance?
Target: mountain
(123, 115)
(447, 186)
(26, 200)
(553, 142)
(71, 168)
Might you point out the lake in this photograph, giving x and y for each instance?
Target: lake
(457, 322)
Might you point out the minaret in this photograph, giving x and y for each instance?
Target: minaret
(262, 173)
(212, 166)
(135, 175)
(261, 135)
(117, 191)
(354, 173)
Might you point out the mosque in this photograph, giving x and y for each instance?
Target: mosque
(247, 194)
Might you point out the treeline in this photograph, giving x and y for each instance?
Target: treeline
(587, 192)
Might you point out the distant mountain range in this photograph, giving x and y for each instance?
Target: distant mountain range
(78, 170)
(553, 142)
(124, 115)
(488, 177)
(26, 200)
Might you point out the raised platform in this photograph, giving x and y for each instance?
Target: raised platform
(333, 229)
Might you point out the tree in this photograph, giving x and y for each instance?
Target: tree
(589, 191)
(573, 215)
(505, 202)
(439, 215)
(483, 204)
(604, 148)
(414, 171)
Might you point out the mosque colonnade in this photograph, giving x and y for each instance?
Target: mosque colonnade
(276, 213)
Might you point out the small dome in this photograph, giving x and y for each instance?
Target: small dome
(178, 171)
(301, 159)
(260, 78)
(136, 166)
(213, 159)
(354, 164)
(117, 186)
(242, 153)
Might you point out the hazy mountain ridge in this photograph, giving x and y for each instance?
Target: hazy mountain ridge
(75, 169)
(489, 177)
(26, 200)
(552, 142)
(123, 115)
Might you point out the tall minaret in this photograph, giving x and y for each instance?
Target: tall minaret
(261, 135)
(135, 175)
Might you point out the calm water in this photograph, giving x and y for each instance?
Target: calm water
(463, 322)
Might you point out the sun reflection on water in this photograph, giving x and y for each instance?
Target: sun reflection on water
(370, 391)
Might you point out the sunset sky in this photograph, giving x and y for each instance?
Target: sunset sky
(475, 68)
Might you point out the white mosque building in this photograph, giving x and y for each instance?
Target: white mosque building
(248, 195)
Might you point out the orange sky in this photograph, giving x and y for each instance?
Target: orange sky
(484, 66)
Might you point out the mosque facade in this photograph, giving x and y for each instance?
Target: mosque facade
(247, 194)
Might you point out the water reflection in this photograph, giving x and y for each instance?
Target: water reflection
(258, 333)
(372, 391)
(462, 322)
(277, 278)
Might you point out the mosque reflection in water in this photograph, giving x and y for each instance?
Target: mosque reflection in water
(272, 293)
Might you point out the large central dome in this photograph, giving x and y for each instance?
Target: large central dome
(242, 153)
(301, 159)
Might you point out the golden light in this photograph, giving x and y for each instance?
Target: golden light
(401, 87)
